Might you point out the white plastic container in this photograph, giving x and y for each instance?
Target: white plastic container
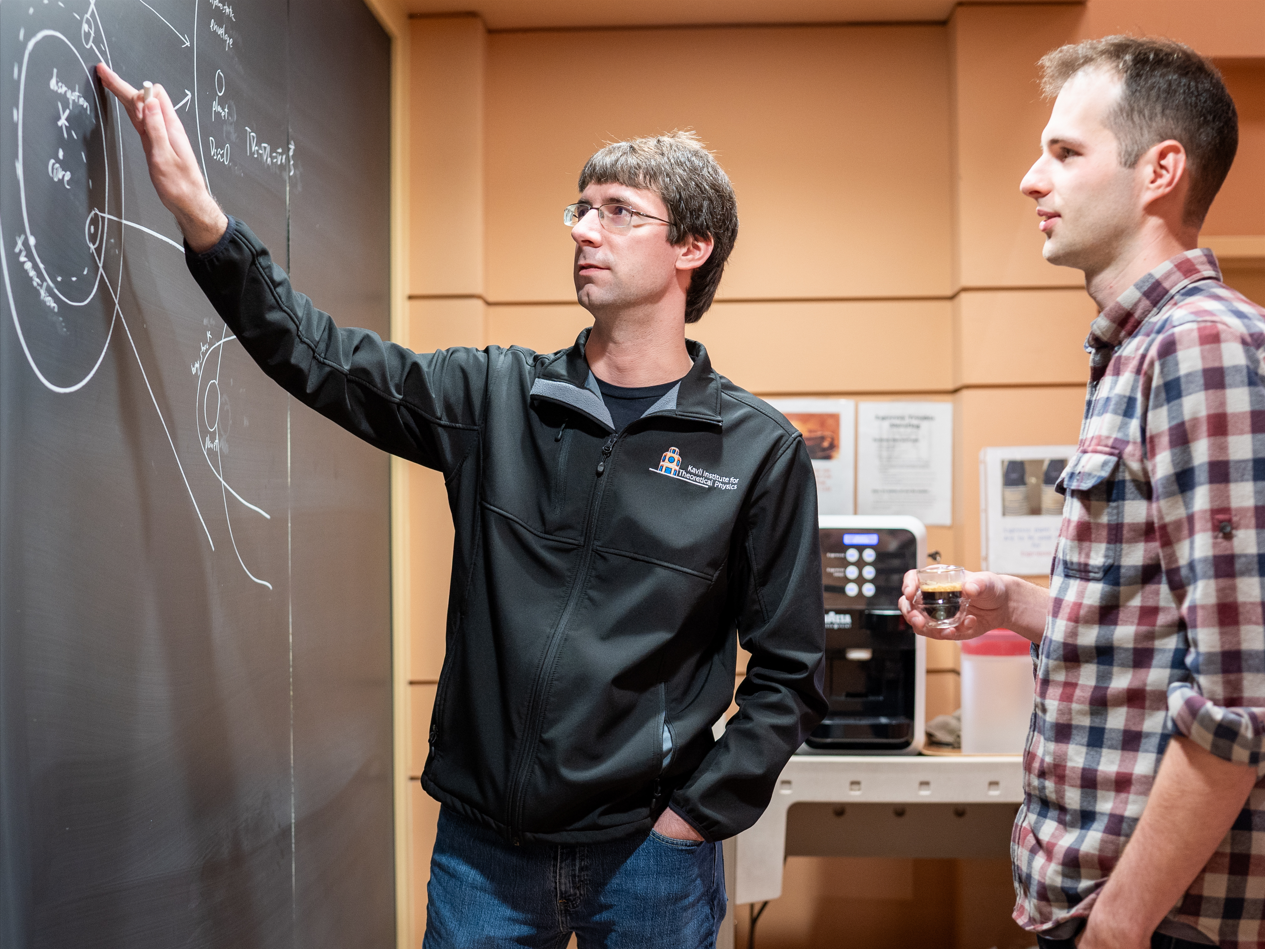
(997, 688)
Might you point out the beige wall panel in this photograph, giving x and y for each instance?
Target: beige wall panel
(430, 566)
(421, 699)
(446, 155)
(818, 347)
(942, 539)
(439, 324)
(1240, 207)
(1040, 415)
(1000, 116)
(424, 816)
(860, 903)
(788, 348)
(943, 655)
(1022, 337)
(1219, 28)
(541, 327)
(1249, 280)
(985, 898)
(944, 693)
(836, 139)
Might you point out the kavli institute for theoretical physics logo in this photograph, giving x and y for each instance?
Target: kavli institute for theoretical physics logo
(671, 466)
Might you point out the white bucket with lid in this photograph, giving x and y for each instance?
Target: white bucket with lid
(997, 689)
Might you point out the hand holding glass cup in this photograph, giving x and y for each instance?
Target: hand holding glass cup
(941, 596)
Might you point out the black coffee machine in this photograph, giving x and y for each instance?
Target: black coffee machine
(875, 664)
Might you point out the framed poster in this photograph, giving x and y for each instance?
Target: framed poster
(828, 427)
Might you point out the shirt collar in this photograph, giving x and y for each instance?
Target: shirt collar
(1121, 320)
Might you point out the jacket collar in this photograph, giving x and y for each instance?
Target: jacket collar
(567, 379)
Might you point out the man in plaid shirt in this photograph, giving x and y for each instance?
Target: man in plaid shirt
(1142, 805)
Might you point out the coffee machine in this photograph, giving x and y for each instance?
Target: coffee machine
(875, 664)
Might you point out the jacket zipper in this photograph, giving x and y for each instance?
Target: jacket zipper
(536, 701)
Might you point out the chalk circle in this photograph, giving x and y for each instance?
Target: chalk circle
(88, 29)
(63, 267)
(209, 416)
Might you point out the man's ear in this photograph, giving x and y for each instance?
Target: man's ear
(1166, 173)
(693, 252)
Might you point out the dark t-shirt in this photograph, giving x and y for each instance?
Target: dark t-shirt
(626, 405)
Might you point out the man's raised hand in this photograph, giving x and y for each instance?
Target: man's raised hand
(173, 166)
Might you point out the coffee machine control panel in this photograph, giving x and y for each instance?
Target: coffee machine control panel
(863, 569)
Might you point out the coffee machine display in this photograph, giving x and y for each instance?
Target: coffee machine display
(875, 664)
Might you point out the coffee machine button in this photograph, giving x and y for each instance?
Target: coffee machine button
(867, 589)
(852, 573)
(852, 554)
(868, 572)
(851, 589)
(868, 555)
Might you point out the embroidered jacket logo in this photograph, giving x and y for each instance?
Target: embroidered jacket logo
(671, 465)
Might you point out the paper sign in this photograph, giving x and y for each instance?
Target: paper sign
(905, 460)
(828, 429)
(1020, 511)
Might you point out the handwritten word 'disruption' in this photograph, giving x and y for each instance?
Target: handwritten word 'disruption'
(73, 96)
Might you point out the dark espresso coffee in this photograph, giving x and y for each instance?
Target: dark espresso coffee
(942, 601)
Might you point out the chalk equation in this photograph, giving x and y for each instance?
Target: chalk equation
(64, 227)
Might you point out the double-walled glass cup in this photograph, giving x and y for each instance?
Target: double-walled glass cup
(941, 597)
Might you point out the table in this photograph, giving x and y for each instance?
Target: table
(924, 806)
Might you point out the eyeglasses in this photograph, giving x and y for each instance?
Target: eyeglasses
(613, 217)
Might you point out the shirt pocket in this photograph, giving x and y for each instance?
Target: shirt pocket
(1089, 538)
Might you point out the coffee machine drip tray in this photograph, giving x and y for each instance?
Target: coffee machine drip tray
(863, 733)
(875, 664)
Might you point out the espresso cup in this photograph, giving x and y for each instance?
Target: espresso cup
(941, 597)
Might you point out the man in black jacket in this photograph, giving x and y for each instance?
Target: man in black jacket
(620, 510)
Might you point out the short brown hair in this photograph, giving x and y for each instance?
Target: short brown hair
(1167, 91)
(700, 200)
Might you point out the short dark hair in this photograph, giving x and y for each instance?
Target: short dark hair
(700, 200)
(1167, 91)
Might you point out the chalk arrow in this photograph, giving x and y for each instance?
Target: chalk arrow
(184, 39)
(184, 103)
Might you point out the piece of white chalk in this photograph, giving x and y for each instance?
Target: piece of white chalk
(149, 89)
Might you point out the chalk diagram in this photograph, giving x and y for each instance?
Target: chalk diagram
(63, 284)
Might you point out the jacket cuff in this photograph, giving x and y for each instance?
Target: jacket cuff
(207, 255)
(689, 820)
(1233, 734)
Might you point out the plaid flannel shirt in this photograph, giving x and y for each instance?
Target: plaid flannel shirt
(1156, 619)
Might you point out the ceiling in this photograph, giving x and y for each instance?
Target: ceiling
(559, 14)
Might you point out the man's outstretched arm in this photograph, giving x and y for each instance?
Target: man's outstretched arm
(173, 167)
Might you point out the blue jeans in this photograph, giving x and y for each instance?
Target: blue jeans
(640, 892)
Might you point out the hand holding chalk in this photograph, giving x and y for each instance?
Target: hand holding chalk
(173, 166)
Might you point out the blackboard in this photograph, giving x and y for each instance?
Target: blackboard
(195, 661)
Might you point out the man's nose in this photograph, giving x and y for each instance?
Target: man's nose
(1035, 183)
(588, 230)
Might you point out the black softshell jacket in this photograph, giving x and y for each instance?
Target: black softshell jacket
(597, 577)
